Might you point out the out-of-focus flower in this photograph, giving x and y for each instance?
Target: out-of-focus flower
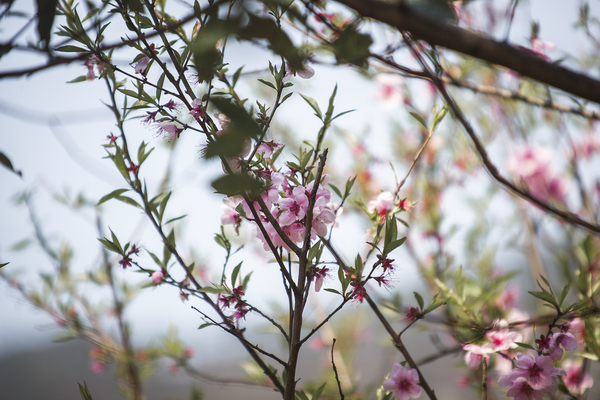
(533, 166)
(520, 389)
(539, 47)
(390, 88)
(587, 147)
(140, 63)
(532, 379)
(319, 274)
(540, 373)
(404, 383)
(411, 314)
(383, 204)
(559, 342)
(306, 72)
(507, 298)
(168, 129)
(475, 354)
(502, 339)
(575, 380)
(197, 111)
(157, 277)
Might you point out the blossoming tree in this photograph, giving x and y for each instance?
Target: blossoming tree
(284, 195)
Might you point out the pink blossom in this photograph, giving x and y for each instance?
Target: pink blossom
(98, 367)
(475, 354)
(587, 147)
(157, 277)
(267, 148)
(404, 383)
(230, 215)
(390, 88)
(575, 380)
(539, 47)
(502, 339)
(306, 72)
(559, 342)
(533, 166)
(90, 76)
(520, 389)
(168, 128)
(319, 274)
(294, 208)
(197, 111)
(141, 65)
(577, 326)
(507, 298)
(540, 373)
(411, 314)
(383, 204)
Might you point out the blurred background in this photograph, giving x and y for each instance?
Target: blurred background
(53, 131)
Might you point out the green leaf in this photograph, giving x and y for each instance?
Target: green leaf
(441, 9)
(81, 78)
(204, 47)
(166, 251)
(111, 195)
(419, 301)
(234, 274)
(46, 10)
(336, 190)
(71, 49)
(175, 219)
(313, 103)
(5, 48)
(348, 189)
(235, 184)
(4, 264)
(205, 325)
(4, 160)
(419, 119)
(352, 47)
(317, 393)
(162, 206)
(459, 282)
(563, 293)
(279, 42)
(130, 201)
(83, 390)
(269, 84)
(214, 289)
(329, 112)
(332, 291)
(545, 296)
(439, 116)
(393, 245)
(21, 245)
(526, 346)
(156, 260)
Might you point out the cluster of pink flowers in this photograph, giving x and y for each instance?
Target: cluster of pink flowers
(140, 63)
(89, 64)
(404, 383)
(126, 261)
(288, 203)
(500, 338)
(534, 167)
(383, 204)
(532, 379)
(235, 302)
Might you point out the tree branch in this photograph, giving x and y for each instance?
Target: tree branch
(438, 33)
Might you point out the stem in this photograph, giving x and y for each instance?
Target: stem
(400, 346)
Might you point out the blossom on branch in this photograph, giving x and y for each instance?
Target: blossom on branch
(404, 383)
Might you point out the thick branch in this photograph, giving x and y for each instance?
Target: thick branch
(438, 33)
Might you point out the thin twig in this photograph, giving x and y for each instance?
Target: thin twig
(337, 379)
